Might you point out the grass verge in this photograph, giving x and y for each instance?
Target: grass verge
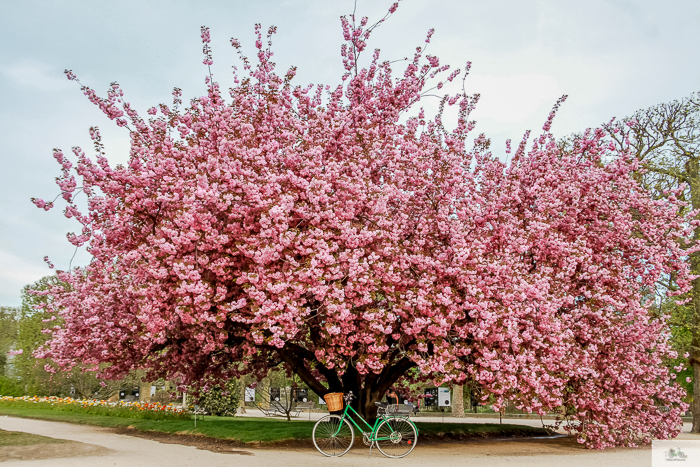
(17, 438)
(262, 430)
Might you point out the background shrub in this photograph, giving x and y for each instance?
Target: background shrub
(219, 400)
(10, 387)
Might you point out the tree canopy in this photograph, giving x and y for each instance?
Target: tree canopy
(340, 231)
(665, 138)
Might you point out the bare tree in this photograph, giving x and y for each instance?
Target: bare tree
(282, 400)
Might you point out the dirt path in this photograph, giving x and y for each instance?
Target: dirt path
(130, 451)
(50, 451)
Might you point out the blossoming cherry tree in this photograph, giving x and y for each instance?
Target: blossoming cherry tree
(343, 233)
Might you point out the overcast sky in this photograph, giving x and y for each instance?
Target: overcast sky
(611, 57)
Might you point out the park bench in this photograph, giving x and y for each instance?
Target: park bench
(399, 410)
(305, 406)
(270, 411)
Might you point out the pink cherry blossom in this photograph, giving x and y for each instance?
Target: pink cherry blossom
(341, 232)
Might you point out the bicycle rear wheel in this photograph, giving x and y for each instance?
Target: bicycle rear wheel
(396, 437)
(333, 436)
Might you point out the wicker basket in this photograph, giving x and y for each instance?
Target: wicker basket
(334, 400)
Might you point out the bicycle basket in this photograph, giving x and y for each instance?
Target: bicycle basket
(334, 400)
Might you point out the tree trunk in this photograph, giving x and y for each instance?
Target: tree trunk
(693, 170)
(695, 348)
(365, 393)
(289, 402)
(695, 408)
(367, 389)
(241, 384)
(458, 401)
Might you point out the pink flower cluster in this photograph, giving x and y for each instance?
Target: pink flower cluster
(329, 229)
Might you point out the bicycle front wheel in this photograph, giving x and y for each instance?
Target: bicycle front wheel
(333, 436)
(396, 437)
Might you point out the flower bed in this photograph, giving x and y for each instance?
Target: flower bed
(147, 410)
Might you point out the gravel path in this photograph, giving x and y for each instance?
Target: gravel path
(128, 451)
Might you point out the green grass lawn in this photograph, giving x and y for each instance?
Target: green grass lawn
(17, 438)
(259, 430)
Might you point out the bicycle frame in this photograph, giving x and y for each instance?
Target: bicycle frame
(373, 429)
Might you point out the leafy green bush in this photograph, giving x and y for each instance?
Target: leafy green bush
(219, 400)
(10, 387)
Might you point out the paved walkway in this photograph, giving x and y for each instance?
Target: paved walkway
(127, 451)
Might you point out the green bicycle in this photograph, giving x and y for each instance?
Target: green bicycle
(393, 434)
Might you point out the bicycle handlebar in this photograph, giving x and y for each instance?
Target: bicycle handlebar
(349, 397)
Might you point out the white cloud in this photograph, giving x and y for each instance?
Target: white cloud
(16, 272)
(514, 98)
(33, 74)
